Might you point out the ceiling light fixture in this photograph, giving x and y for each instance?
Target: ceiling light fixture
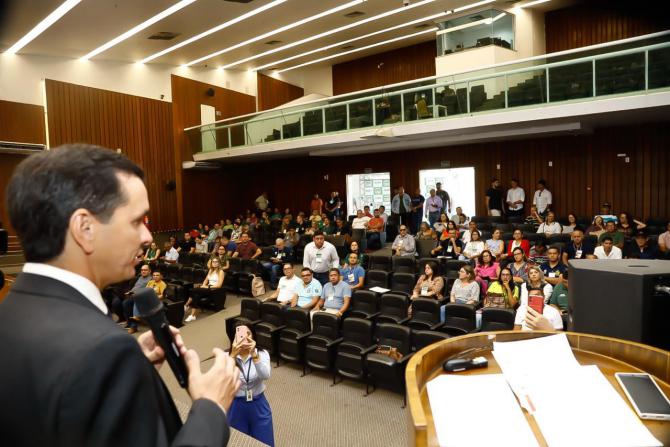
(213, 30)
(472, 5)
(131, 32)
(277, 30)
(345, 42)
(536, 2)
(43, 25)
(396, 39)
(328, 33)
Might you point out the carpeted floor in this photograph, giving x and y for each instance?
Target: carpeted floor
(307, 411)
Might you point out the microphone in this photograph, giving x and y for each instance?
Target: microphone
(152, 311)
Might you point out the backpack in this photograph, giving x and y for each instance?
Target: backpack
(257, 286)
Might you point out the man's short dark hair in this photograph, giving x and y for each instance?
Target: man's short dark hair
(48, 187)
(554, 247)
(334, 270)
(608, 238)
(317, 233)
(306, 269)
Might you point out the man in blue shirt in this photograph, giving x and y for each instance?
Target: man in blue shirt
(280, 254)
(553, 269)
(353, 274)
(578, 248)
(336, 295)
(308, 292)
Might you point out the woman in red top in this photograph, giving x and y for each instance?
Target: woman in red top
(517, 241)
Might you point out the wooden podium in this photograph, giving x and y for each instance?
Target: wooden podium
(609, 354)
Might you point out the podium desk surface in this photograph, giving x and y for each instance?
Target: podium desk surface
(611, 355)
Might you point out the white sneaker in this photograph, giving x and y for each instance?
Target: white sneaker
(189, 319)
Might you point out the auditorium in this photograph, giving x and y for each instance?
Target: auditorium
(334, 223)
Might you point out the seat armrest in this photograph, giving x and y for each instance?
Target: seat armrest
(335, 342)
(278, 329)
(405, 358)
(374, 316)
(369, 349)
(436, 326)
(404, 320)
(255, 322)
(305, 335)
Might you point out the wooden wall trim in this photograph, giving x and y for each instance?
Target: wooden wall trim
(274, 93)
(22, 123)
(399, 65)
(140, 127)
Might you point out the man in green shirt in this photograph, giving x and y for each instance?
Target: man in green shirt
(611, 231)
(559, 296)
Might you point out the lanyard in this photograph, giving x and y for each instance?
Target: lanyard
(246, 377)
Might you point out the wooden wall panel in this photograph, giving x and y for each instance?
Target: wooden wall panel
(598, 22)
(187, 96)
(273, 92)
(8, 163)
(586, 171)
(403, 64)
(22, 123)
(140, 127)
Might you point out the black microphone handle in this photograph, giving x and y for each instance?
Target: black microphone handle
(161, 330)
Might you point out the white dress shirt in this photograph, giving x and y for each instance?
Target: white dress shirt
(74, 280)
(515, 194)
(360, 223)
(599, 252)
(550, 228)
(542, 199)
(322, 259)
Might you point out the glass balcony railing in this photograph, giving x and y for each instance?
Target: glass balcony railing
(533, 83)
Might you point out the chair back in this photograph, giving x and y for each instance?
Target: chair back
(298, 319)
(235, 265)
(326, 325)
(403, 282)
(497, 319)
(376, 278)
(394, 305)
(394, 335)
(380, 262)
(358, 331)
(272, 312)
(404, 264)
(426, 310)
(424, 246)
(250, 308)
(460, 318)
(421, 339)
(364, 301)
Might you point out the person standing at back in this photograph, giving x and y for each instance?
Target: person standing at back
(101, 386)
(516, 197)
(444, 196)
(494, 202)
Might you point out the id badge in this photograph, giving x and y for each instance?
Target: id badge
(424, 290)
(318, 258)
(450, 248)
(351, 277)
(331, 297)
(578, 254)
(250, 396)
(552, 274)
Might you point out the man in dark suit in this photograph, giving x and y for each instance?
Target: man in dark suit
(69, 376)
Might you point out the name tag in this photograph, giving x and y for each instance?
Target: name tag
(552, 274)
(318, 258)
(331, 298)
(578, 254)
(250, 396)
(351, 277)
(450, 248)
(279, 255)
(424, 290)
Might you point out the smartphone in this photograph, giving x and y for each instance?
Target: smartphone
(240, 334)
(536, 302)
(645, 395)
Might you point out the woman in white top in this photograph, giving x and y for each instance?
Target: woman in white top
(496, 245)
(474, 248)
(212, 282)
(536, 281)
(550, 226)
(464, 291)
(572, 224)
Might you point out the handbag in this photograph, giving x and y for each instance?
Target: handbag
(257, 286)
(389, 351)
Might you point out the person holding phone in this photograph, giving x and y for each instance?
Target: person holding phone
(535, 315)
(250, 411)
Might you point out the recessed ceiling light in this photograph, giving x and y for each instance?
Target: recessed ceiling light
(472, 5)
(277, 31)
(131, 32)
(213, 30)
(330, 32)
(43, 25)
(533, 3)
(386, 42)
(348, 41)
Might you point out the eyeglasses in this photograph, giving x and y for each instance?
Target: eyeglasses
(305, 275)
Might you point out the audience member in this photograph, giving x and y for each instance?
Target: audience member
(519, 266)
(335, 296)
(425, 232)
(664, 241)
(444, 196)
(341, 228)
(334, 206)
(528, 319)
(291, 241)
(451, 247)
(542, 198)
(487, 269)
(246, 249)
(213, 233)
(401, 206)
(538, 253)
(502, 293)
(536, 280)
(353, 274)
(236, 234)
(550, 226)
(128, 304)
(641, 247)
(360, 222)
(559, 296)
(606, 213)
(375, 232)
(608, 250)
(262, 202)
(320, 256)
(327, 226)
(199, 294)
(572, 224)
(228, 244)
(597, 227)
(611, 232)
(578, 248)
(383, 214)
(441, 225)
(171, 254)
(517, 242)
(433, 208)
(366, 211)
(308, 292)
(496, 245)
(274, 217)
(534, 218)
(465, 290)
(629, 226)
(474, 247)
(201, 246)
(355, 248)
(429, 285)
(300, 225)
(287, 286)
(465, 236)
(516, 197)
(494, 202)
(553, 269)
(316, 204)
(403, 245)
(152, 253)
(459, 216)
(280, 254)
(416, 210)
(222, 255)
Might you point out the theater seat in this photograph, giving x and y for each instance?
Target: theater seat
(356, 344)
(320, 345)
(250, 314)
(268, 329)
(384, 370)
(459, 319)
(495, 319)
(364, 304)
(292, 338)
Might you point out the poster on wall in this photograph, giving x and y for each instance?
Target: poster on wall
(373, 190)
(459, 183)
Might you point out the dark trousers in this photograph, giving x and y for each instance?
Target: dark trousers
(374, 241)
(253, 418)
(415, 222)
(520, 212)
(275, 271)
(128, 308)
(200, 294)
(322, 277)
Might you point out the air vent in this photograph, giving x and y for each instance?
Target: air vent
(273, 42)
(163, 35)
(423, 26)
(354, 14)
(239, 1)
(348, 47)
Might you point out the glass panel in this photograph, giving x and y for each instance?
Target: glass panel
(360, 114)
(526, 88)
(487, 94)
(387, 109)
(237, 135)
(451, 100)
(291, 126)
(571, 82)
(264, 130)
(336, 118)
(418, 105)
(312, 122)
(480, 29)
(620, 74)
(659, 68)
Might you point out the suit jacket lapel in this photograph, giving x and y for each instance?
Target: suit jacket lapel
(50, 288)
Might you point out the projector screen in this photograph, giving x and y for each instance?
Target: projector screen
(458, 182)
(372, 189)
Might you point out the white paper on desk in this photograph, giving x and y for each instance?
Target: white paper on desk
(477, 411)
(582, 408)
(379, 289)
(538, 358)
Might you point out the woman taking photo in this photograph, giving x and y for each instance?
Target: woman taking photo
(212, 282)
(250, 411)
(597, 228)
(153, 253)
(628, 225)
